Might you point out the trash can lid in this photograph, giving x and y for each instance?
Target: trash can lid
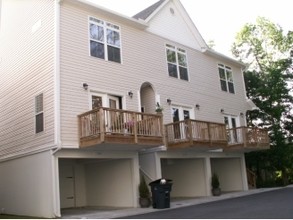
(160, 181)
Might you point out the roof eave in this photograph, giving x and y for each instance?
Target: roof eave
(140, 24)
(218, 55)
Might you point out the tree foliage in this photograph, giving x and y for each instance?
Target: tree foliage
(268, 79)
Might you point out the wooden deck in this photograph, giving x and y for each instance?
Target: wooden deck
(116, 126)
(247, 139)
(197, 134)
(120, 127)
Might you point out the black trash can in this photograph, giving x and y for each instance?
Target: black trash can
(161, 189)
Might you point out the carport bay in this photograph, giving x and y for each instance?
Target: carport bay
(191, 171)
(97, 179)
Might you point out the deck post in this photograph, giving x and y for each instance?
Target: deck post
(135, 127)
(102, 123)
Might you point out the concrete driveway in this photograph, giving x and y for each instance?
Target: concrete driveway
(108, 213)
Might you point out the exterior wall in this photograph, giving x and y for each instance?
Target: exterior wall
(110, 183)
(230, 173)
(188, 176)
(165, 22)
(102, 178)
(26, 186)
(150, 166)
(141, 62)
(26, 70)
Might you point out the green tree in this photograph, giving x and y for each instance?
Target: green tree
(268, 52)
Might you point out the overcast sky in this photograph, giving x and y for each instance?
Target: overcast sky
(218, 20)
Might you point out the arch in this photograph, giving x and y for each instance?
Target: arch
(147, 98)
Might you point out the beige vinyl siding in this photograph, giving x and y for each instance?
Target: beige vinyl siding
(27, 70)
(143, 60)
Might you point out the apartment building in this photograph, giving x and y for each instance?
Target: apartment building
(91, 99)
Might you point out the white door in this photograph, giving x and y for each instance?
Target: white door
(234, 135)
(180, 114)
(67, 182)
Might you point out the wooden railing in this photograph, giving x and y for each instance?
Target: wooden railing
(248, 137)
(116, 125)
(251, 179)
(193, 132)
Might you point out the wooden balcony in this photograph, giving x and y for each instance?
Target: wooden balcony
(247, 139)
(196, 134)
(118, 128)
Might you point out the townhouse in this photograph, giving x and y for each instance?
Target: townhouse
(91, 99)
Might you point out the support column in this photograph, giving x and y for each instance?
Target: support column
(208, 175)
(243, 173)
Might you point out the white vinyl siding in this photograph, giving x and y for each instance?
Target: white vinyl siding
(27, 68)
(144, 60)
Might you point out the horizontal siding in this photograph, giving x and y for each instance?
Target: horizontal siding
(27, 69)
(143, 60)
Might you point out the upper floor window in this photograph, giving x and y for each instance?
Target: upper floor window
(39, 113)
(104, 40)
(226, 78)
(177, 62)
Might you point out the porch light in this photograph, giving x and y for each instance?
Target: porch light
(222, 110)
(169, 101)
(130, 93)
(85, 86)
(197, 106)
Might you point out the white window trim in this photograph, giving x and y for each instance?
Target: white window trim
(38, 113)
(226, 80)
(105, 38)
(177, 63)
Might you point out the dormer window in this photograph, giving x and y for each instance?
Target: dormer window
(104, 40)
(177, 62)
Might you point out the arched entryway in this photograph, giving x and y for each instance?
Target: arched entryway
(148, 98)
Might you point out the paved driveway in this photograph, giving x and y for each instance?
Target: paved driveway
(274, 204)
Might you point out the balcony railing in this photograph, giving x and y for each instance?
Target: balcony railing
(193, 133)
(116, 126)
(248, 138)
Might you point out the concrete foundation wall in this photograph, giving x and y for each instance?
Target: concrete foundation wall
(26, 186)
(229, 172)
(188, 176)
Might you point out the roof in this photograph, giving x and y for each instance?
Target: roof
(144, 14)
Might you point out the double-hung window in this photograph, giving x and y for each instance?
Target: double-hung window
(177, 62)
(226, 78)
(39, 113)
(104, 40)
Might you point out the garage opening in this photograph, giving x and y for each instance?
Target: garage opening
(96, 183)
(188, 176)
(229, 172)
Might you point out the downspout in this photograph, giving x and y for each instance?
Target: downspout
(57, 119)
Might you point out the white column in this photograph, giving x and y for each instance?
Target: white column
(243, 173)
(208, 175)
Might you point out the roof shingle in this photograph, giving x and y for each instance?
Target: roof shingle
(144, 14)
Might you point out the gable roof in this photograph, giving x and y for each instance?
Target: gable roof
(144, 14)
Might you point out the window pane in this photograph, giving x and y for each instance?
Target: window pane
(182, 59)
(223, 85)
(113, 38)
(172, 70)
(114, 54)
(229, 76)
(183, 73)
(40, 122)
(39, 103)
(231, 87)
(171, 56)
(97, 50)
(222, 74)
(96, 32)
